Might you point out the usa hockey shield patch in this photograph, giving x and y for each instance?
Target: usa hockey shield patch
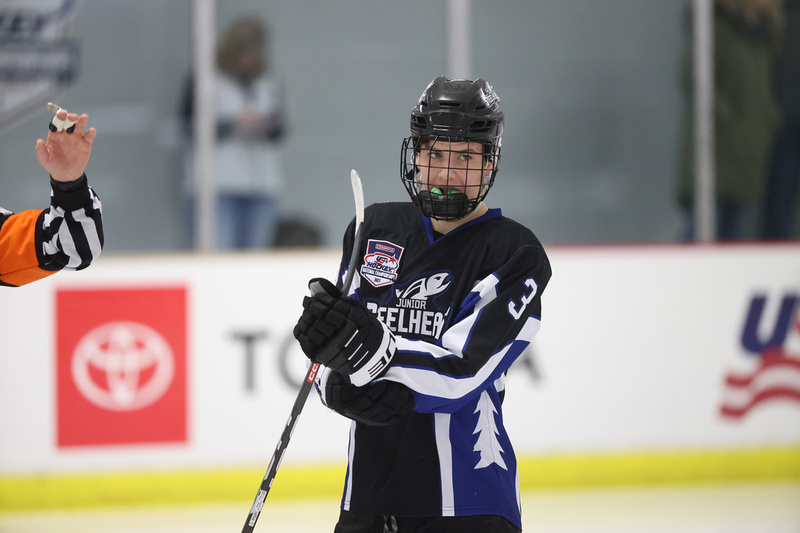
(381, 262)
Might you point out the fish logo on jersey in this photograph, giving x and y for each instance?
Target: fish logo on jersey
(424, 288)
(381, 262)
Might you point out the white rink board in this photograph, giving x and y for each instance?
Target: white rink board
(632, 356)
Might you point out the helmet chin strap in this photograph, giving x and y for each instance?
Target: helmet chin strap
(472, 214)
(446, 226)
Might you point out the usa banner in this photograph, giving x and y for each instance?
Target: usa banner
(774, 351)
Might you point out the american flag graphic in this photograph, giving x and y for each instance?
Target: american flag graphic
(777, 377)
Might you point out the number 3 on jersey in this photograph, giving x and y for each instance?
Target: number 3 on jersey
(517, 310)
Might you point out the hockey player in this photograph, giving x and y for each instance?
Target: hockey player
(69, 235)
(415, 351)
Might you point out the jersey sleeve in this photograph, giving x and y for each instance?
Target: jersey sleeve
(492, 327)
(37, 243)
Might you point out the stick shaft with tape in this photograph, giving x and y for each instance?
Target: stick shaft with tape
(308, 382)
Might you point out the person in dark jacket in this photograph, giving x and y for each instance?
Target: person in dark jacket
(747, 37)
(778, 218)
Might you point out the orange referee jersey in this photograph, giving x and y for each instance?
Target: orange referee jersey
(19, 263)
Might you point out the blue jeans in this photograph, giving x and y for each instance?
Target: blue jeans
(734, 221)
(780, 198)
(243, 221)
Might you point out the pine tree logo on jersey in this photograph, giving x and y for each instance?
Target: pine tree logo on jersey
(381, 262)
(486, 429)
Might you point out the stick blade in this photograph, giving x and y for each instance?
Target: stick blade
(358, 196)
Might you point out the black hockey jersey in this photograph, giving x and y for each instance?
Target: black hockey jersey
(463, 307)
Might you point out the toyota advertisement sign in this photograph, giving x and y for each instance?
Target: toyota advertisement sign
(121, 365)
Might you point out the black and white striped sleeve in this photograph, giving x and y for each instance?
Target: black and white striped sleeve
(72, 229)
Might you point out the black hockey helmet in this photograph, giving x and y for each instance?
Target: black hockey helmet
(452, 111)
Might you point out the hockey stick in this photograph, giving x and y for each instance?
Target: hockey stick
(308, 382)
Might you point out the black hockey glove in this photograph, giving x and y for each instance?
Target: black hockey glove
(377, 404)
(340, 333)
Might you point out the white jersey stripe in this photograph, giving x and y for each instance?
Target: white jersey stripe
(349, 482)
(441, 423)
(431, 383)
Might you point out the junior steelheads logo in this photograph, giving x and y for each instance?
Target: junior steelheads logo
(414, 310)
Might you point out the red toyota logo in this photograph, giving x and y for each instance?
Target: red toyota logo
(121, 366)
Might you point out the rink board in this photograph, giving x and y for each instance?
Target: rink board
(649, 358)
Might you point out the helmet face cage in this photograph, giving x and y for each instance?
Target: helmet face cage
(448, 178)
(449, 162)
